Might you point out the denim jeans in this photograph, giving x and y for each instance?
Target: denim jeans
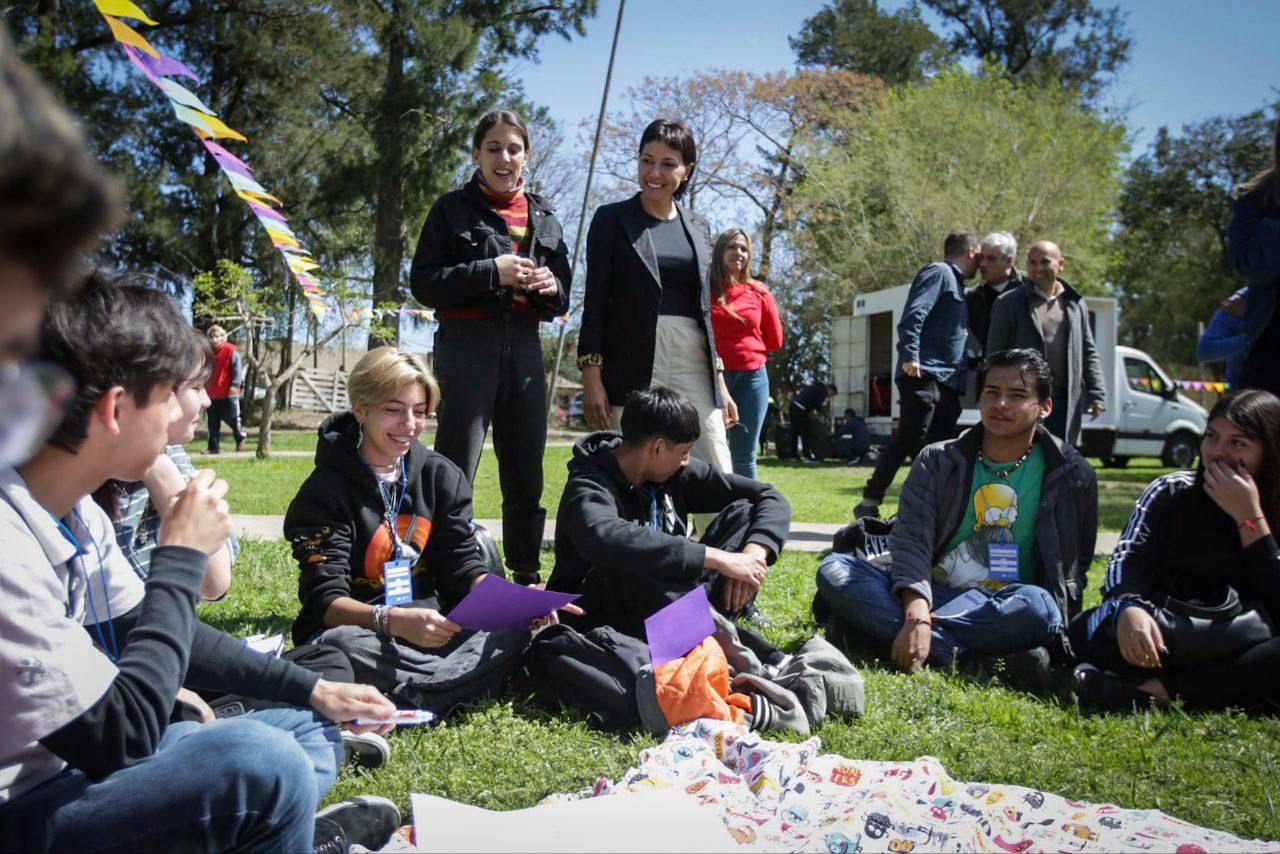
(975, 621)
(250, 783)
(750, 391)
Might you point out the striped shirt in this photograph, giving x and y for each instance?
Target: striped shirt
(139, 523)
(514, 210)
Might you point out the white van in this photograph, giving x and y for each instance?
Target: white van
(1145, 415)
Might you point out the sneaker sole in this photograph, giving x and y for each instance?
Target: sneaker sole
(366, 752)
(362, 800)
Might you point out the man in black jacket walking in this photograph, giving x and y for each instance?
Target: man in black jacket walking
(621, 532)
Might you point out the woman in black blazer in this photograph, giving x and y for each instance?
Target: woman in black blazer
(646, 316)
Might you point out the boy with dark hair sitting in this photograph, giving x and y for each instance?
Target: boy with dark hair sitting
(994, 535)
(89, 756)
(621, 531)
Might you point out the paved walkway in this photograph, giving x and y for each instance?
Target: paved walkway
(805, 536)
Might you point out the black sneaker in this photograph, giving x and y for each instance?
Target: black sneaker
(366, 820)
(1029, 669)
(366, 750)
(1105, 691)
(863, 509)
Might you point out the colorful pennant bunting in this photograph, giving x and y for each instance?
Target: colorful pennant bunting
(206, 125)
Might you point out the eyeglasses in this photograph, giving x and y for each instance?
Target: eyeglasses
(33, 400)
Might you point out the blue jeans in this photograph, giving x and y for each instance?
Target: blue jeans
(250, 783)
(750, 391)
(975, 621)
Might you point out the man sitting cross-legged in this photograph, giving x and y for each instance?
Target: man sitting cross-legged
(993, 539)
(621, 535)
(89, 757)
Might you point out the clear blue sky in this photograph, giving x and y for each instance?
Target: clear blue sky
(1192, 58)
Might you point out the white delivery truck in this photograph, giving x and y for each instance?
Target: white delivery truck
(1145, 417)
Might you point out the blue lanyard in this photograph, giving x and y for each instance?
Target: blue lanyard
(111, 648)
(653, 509)
(392, 515)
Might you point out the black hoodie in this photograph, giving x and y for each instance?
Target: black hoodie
(625, 569)
(340, 535)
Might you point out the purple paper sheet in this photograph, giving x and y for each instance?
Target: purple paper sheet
(496, 603)
(679, 627)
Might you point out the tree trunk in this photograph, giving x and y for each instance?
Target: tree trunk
(264, 424)
(388, 217)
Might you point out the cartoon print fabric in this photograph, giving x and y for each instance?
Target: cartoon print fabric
(776, 796)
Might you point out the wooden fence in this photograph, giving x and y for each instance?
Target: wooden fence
(316, 388)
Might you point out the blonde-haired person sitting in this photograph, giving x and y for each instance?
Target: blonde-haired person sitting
(381, 502)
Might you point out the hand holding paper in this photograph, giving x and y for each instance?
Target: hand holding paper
(495, 603)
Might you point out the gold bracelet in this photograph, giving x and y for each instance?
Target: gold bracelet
(594, 360)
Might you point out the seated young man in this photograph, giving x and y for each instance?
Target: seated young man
(621, 535)
(137, 510)
(992, 543)
(88, 755)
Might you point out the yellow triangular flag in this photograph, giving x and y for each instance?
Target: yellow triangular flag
(124, 9)
(125, 34)
(301, 264)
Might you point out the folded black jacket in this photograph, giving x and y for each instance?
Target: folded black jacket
(454, 267)
(625, 569)
(341, 540)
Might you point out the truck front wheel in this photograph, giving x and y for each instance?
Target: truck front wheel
(1114, 462)
(1180, 451)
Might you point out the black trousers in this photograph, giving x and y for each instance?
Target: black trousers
(224, 409)
(490, 370)
(1249, 679)
(928, 411)
(801, 424)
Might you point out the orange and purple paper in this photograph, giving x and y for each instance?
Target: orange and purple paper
(679, 627)
(496, 603)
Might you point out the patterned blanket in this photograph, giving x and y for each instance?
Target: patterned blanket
(776, 796)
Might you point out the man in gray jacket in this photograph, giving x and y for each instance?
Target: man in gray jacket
(992, 543)
(1046, 314)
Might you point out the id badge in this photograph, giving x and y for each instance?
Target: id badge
(398, 577)
(1002, 562)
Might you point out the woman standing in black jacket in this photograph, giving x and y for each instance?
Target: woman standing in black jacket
(646, 316)
(492, 262)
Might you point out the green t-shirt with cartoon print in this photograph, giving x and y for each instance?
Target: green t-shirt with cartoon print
(1001, 512)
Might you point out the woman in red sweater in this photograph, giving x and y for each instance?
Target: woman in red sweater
(747, 329)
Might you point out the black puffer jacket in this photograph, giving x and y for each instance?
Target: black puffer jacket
(625, 569)
(340, 537)
(454, 267)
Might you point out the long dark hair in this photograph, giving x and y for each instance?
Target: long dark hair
(494, 118)
(1257, 414)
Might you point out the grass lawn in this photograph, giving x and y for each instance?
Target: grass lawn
(821, 493)
(1216, 769)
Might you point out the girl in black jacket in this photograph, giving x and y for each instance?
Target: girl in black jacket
(1193, 536)
(646, 315)
(492, 263)
(378, 498)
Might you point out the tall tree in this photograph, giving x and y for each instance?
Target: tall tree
(857, 35)
(879, 196)
(421, 76)
(1074, 42)
(1169, 267)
